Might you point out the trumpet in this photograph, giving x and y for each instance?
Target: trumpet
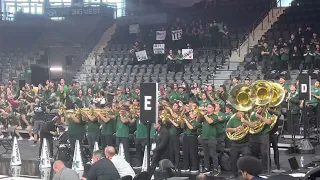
(200, 110)
(100, 111)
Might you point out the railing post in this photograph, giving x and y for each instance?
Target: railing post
(252, 32)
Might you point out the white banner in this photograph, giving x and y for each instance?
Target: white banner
(187, 53)
(133, 28)
(161, 35)
(158, 48)
(176, 35)
(141, 55)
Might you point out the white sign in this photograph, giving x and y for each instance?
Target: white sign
(141, 55)
(133, 28)
(187, 53)
(15, 154)
(45, 158)
(161, 35)
(158, 48)
(77, 163)
(176, 35)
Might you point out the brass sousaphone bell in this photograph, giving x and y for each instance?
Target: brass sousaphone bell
(242, 97)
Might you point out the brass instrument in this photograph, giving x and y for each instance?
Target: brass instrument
(134, 111)
(199, 110)
(165, 116)
(100, 111)
(238, 135)
(242, 98)
(68, 113)
(277, 98)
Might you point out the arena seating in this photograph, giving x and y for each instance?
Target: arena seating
(17, 55)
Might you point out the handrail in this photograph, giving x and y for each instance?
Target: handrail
(257, 22)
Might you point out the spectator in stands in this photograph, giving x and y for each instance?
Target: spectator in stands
(250, 168)
(134, 49)
(302, 45)
(179, 59)
(292, 41)
(314, 40)
(123, 167)
(317, 57)
(284, 57)
(308, 58)
(225, 36)
(295, 58)
(275, 57)
(265, 52)
(299, 33)
(214, 33)
(63, 173)
(170, 61)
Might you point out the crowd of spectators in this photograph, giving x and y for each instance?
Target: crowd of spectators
(300, 51)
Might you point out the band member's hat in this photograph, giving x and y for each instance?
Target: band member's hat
(119, 89)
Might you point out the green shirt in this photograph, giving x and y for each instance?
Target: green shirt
(108, 128)
(135, 96)
(61, 96)
(93, 126)
(266, 128)
(235, 122)
(173, 130)
(228, 115)
(209, 131)
(122, 129)
(286, 87)
(317, 55)
(204, 103)
(285, 54)
(141, 129)
(195, 124)
(275, 57)
(183, 97)
(314, 101)
(173, 96)
(220, 124)
(76, 129)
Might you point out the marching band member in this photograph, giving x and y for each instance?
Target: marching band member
(122, 131)
(93, 131)
(220, 127)
(237, 123)
(140, 134)
(119, 97)
(274, 135)
(282, 82)
(209, 139)
(260, 140)
(223, 93)
(110, 91)
(190, 143)
(182, 95)
(174, 130)
(76, 130)
(203, 102)
(211, 94)
(108, 126)
(174, 95)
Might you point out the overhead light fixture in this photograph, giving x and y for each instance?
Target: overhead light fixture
(56, 69)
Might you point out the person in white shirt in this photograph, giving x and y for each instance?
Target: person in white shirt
(123, 167)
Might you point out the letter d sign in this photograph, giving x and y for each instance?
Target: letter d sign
(304, 88)
(147, 103)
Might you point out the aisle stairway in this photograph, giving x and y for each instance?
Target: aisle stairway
(95, 54)
(259, 31)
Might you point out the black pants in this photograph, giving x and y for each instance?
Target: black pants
(210, 150)
(283, 65)
(73, 139)
(106, 140)
(261, 147)
(125, 143)
(190, 151)
(179, 66)
(307, 65)
(92, 138)
(171, 66)
(274, 144)
(235, 152)
(49, 143)
(174, 150)
(140, 144)
(156, 158)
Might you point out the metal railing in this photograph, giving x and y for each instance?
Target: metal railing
(254, 25)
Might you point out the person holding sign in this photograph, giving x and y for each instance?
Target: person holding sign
(170, 61)
(179, 59)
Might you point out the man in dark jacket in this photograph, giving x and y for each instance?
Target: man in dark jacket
(47, 132)
(162, 142)
(102, 168)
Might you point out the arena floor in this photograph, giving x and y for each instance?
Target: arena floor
(30, 165)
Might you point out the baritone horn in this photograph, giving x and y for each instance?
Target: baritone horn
(277, 98)
(242, 98)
